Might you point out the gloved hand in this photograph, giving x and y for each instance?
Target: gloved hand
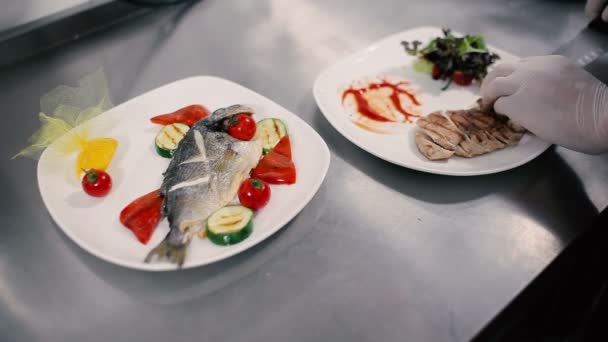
(554, 99)
(597, 7)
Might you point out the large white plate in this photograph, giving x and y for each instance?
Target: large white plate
(387, 57)
(136, 170)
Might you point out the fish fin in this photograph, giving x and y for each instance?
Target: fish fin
(171, 252)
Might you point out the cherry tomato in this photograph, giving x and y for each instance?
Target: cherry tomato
(96, 183)
(254, 193)
(461, 78)
(436, 73)
(241, 126)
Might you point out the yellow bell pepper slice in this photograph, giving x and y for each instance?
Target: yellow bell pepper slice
(96, 154)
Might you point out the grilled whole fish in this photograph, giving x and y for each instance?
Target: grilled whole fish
(205, 173)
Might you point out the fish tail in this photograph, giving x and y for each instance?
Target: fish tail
(174, 253)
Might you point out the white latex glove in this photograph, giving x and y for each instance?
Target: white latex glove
(597, 7)
(554, 99)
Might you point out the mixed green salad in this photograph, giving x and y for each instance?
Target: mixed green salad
(461, 60)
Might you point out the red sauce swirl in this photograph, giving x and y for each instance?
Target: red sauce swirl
(366, 110)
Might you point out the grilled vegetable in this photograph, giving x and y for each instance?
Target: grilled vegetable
(142, 215)
(188, 115)
(230, 225)
(451, 58)
(277, 167)
(96, 154)
(270, 131)
(168, 138)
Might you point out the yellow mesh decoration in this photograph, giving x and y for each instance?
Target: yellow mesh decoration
(64, 113)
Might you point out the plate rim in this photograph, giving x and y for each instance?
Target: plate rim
(323, 163)
(370, 48)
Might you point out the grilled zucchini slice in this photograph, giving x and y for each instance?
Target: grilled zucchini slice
(230, 225)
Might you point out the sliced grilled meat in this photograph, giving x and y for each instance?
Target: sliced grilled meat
(465, 133)
(431, 150)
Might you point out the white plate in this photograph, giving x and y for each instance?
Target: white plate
(387, 57)
(136, 170)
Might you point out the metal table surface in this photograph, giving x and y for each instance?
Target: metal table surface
(381, 253)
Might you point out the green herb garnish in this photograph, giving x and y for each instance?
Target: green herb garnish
(468, 56)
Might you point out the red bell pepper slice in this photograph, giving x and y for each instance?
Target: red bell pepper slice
(283, 147)
(142, 215)
(188, 115)
(277, 167)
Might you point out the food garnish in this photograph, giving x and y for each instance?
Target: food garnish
(241, 126)
(188, 115)
(458, 59)
(284, 147)
(277, 167)
(96, 183)
(230, 225)
(254, 193)
(96, 154)
(169, 136)
(142, 215)
(66, 128)
(270, 131)
(381, 104)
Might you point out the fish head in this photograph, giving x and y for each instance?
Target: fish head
(216, 121)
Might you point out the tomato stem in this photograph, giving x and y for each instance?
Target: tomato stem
(257, 183)
(91, 175)
(234, 120)
(447, 85)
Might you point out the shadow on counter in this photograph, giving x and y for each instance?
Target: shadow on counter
(545, 189)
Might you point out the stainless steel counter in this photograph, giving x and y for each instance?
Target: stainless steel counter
(381, 253)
